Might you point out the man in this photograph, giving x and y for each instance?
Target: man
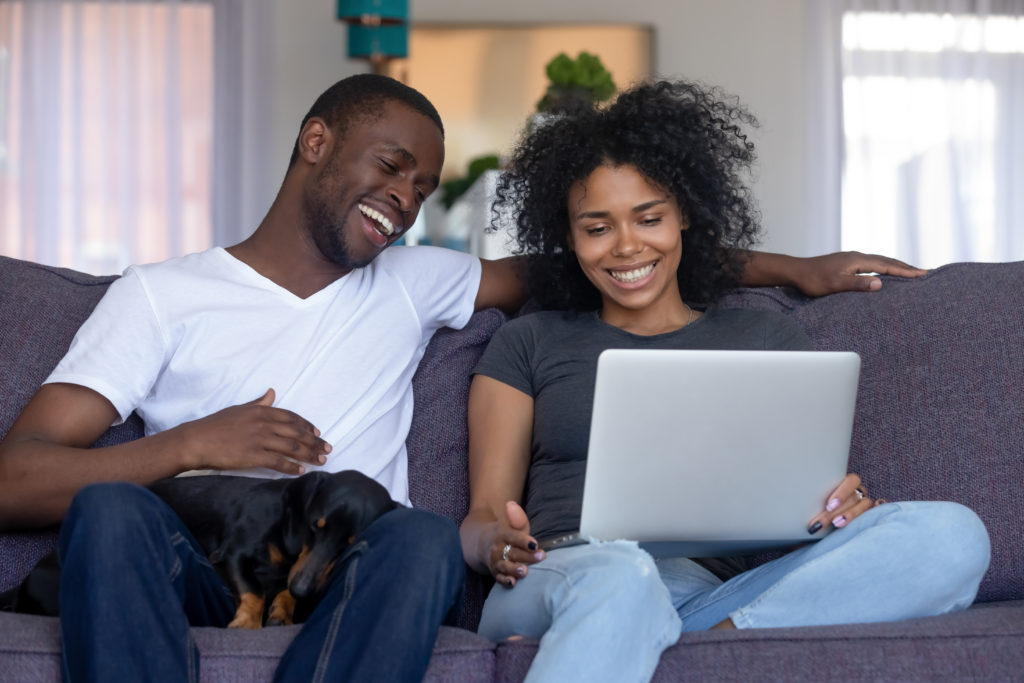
(294, 348)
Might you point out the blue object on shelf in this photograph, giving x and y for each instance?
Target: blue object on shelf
(376, 42)
(373, 12)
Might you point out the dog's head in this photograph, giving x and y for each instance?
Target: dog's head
(323, 514)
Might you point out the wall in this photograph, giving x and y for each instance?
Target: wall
(753, 48)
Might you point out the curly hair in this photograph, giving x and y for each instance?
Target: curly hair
(687, 138)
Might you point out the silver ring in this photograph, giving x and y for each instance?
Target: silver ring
(504, 553)
(860, 494)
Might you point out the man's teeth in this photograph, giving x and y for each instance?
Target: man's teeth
(632, 275)
(384, 226)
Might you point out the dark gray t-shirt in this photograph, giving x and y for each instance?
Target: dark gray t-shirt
(552, 356)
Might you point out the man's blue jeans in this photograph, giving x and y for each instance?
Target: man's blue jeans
(134, 580)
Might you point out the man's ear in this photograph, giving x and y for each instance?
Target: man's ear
(315, 140)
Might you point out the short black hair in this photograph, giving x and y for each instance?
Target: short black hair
(359, 98)
(687, 138)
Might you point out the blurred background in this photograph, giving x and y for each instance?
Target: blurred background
(135, 131)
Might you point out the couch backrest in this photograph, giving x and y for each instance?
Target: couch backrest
(41, 308)
(940, 410)
(939, 416)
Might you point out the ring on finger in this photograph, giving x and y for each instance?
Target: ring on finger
(505, 551)
(860, 494)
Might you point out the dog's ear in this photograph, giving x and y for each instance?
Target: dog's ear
(298, 495)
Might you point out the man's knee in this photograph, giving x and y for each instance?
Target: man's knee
(426, 544)
(107, 515)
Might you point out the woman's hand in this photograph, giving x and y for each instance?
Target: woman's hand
(512, 548)
(849, 500)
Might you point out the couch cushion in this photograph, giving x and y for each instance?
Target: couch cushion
(983, 643)
(438, 438)
(30, 652)
(939, 407)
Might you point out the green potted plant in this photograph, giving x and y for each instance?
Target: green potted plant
(582, 80)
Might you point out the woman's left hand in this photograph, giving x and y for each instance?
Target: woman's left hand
(847, 502)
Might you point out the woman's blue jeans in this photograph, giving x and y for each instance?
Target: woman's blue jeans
(606, 611)
(134, 580)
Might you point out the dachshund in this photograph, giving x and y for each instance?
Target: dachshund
(274, 539)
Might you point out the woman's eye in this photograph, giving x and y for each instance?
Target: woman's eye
(650, 220)
(390, 167)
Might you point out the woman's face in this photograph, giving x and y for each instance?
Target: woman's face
(627, 235)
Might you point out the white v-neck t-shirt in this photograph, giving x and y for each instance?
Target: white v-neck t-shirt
(182, 339)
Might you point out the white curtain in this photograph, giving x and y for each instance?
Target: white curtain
(931, 95)
(122, 127)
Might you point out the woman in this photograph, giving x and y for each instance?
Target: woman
(633, 215)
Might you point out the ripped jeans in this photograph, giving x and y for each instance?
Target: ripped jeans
(606, 611)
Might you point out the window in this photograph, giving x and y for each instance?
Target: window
(934, 150)
(106, 119)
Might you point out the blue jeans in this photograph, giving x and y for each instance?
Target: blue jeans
(134, 580)
(606, 611)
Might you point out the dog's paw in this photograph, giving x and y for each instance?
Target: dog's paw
(245, 621)
(249, 613)
(281, 609)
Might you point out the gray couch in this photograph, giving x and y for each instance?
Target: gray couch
(940, 415)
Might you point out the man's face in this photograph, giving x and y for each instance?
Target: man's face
(369, 191)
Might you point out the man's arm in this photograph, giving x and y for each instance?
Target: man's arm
(502, 282)
(821, 275)
(45, 457)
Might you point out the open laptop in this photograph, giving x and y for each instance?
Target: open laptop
(715, 453)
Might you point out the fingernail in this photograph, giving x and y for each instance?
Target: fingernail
(539, 555)
(531, 545)
(327, 447)
(839, 522)
(508, 581)
(316, 431)
(521, 571)
(832, 505)
(814, 528)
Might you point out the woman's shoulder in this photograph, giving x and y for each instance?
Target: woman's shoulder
(774, 329)
(541, 328)
(549, 321)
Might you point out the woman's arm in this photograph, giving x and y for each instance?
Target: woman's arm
(821, 275)
(500, 430)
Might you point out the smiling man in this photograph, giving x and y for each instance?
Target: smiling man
(291, 350)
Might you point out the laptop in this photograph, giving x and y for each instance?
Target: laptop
(715, 453)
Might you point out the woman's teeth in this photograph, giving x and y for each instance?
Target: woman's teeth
(384, 226)
(632, 275)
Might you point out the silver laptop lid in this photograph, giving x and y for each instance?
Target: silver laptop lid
(718, 452)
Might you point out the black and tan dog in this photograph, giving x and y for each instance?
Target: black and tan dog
(275, 539)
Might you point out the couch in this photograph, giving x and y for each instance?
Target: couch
(940, 415)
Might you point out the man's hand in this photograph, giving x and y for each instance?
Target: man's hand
(254, 434)
(847, 271)
(821, 275)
